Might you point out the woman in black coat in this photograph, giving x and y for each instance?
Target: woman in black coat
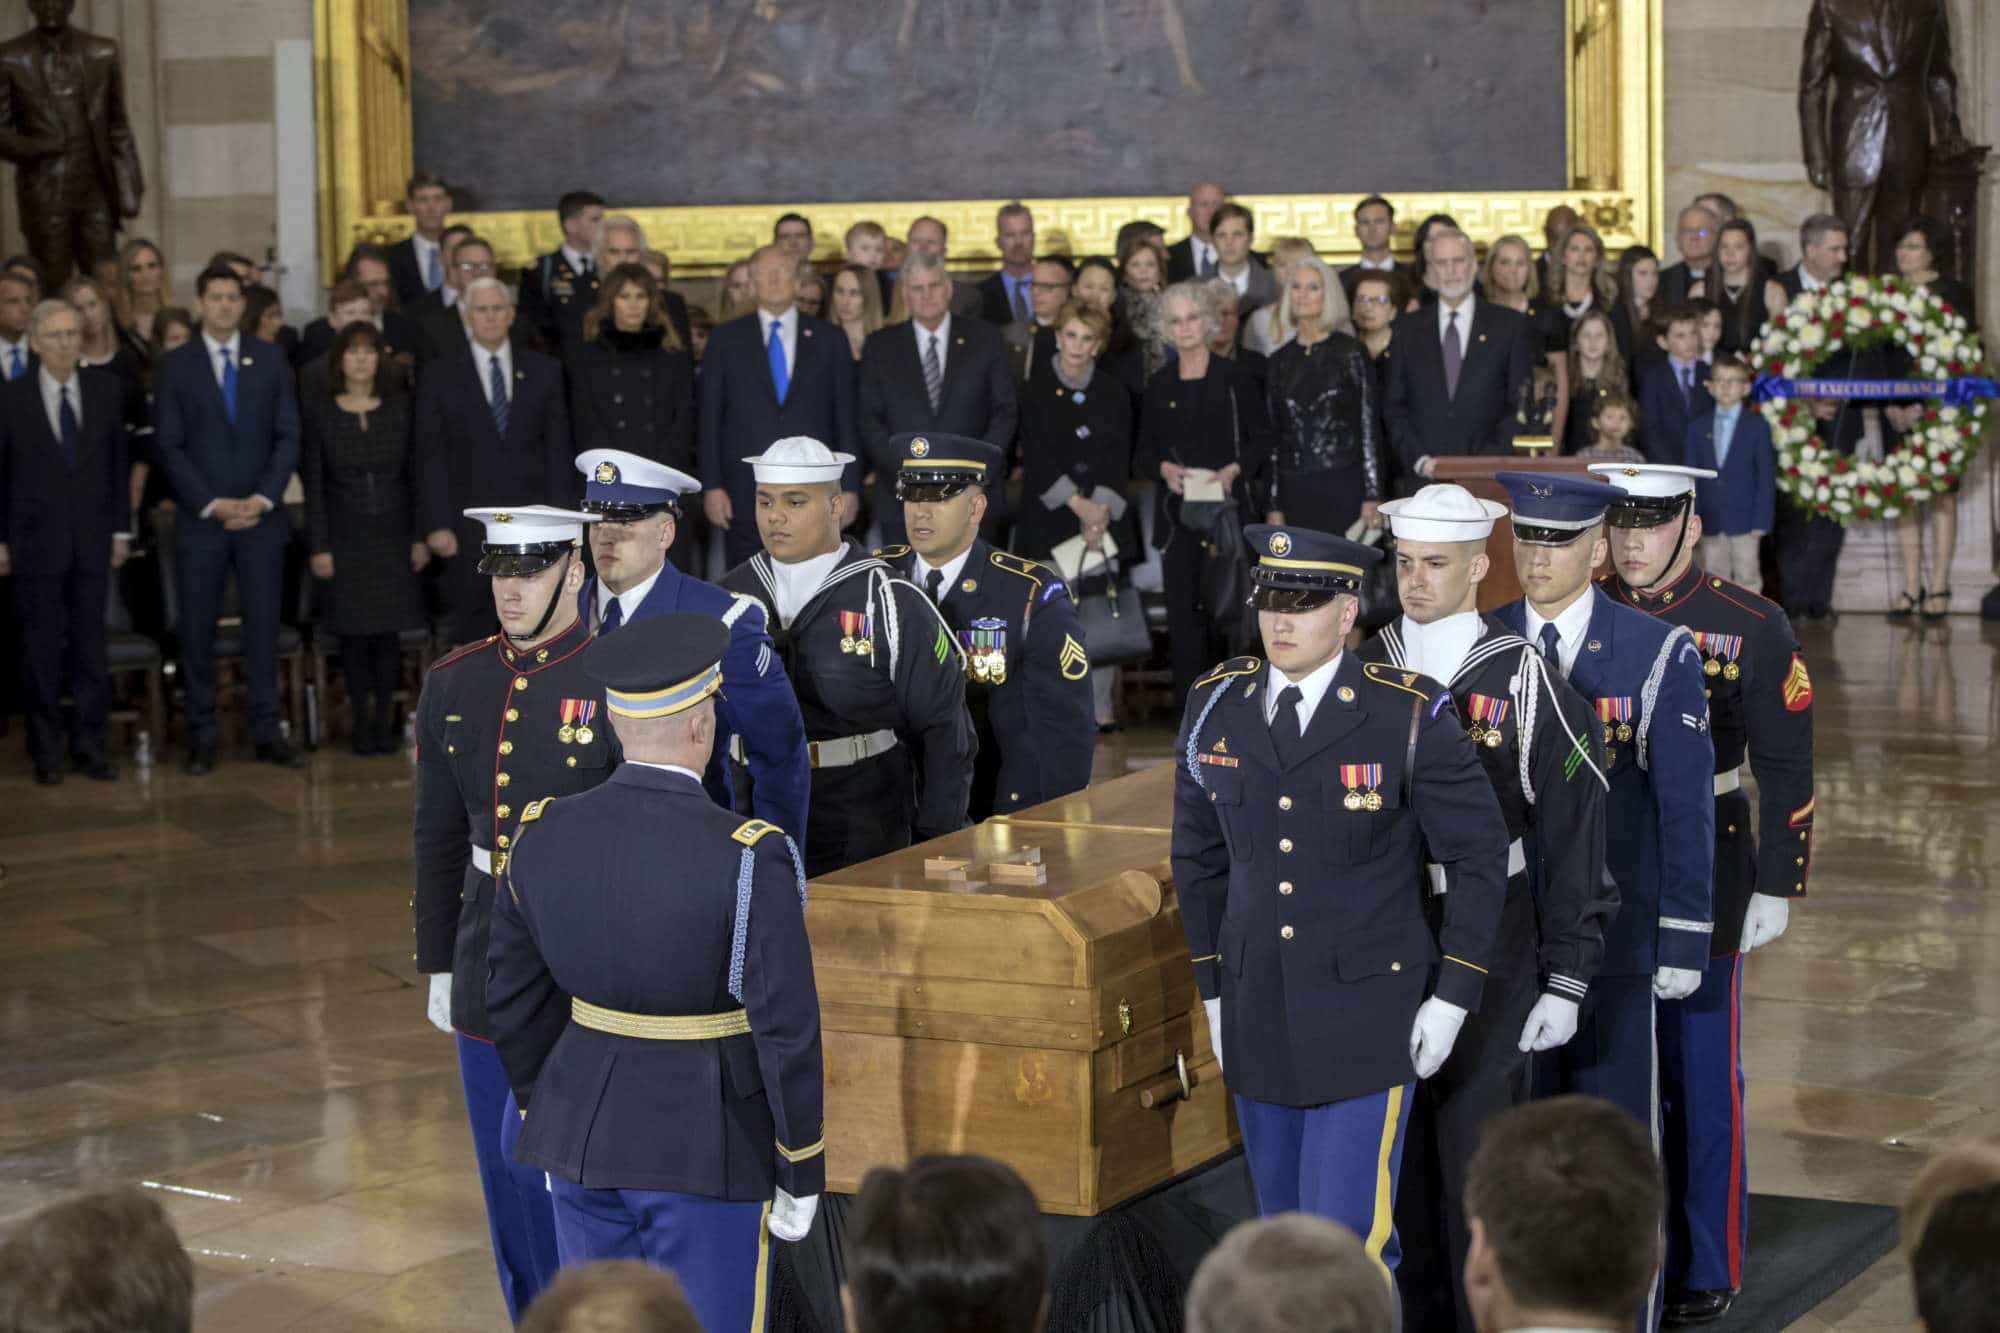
(1076, 443)
(631, 385)
(363, 528)
(1200, 412)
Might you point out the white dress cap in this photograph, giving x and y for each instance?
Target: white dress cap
(531, 525)
(1652, 481)
(798, 460)
(1442, 512)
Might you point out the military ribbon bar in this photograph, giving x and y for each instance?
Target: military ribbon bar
(1487, 710)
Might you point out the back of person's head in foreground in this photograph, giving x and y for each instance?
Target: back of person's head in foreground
(103, 1262)
(1291, 1273)
(1951, 1232)
(612, 1296)
(948, 1244)
(1565, 1202)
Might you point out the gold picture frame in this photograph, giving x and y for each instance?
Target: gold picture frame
(1612, 86)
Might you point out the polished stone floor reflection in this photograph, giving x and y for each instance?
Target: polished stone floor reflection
(206, 986)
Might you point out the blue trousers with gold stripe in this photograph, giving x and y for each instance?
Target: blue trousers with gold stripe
(517, 1199)
(720, 1251)
(1337, 1161)
(1701, 1096)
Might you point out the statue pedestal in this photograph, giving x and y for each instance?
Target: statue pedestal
(1951, 195)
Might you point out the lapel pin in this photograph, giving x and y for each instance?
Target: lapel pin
(1593, 645)
(247, 361)
(1482, 337)
(970, 585)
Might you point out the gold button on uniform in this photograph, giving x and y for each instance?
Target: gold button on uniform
(1285, 886)
(1284, 802)
(502, 779)
(503, 840)
(513, 715)
(506, 747)
(1284, 844)
(1732, 828)
(571, 761)
(520, 682)
(1284, 932)
(1395, 967)
(541, 654)
(501, 813)
(1802, 860)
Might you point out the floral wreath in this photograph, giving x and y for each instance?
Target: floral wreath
(1859, 312)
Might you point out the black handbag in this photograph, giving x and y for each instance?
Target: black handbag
(1113, 620)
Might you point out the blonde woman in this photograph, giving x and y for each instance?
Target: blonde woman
(143, 291)
(1580, 282)
(857, 304)
(102, 346)
(737, 295)
(1508, 279)
(1327, 468)
(1270, 328)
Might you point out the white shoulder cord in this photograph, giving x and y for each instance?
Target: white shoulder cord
(1526, 701)
(1651, 694)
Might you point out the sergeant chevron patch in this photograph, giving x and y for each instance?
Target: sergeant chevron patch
(1074, 662)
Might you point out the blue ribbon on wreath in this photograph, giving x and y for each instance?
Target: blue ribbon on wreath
(1956, 392)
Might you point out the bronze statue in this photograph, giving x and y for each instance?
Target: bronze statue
(1875, 93)
(63, 126)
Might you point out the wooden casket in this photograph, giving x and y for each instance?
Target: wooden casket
(1053, 1025)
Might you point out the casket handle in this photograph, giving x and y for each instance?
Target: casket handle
(1168, 1088)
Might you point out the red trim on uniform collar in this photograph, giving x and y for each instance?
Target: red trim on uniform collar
(527, 661)
(1652, 603)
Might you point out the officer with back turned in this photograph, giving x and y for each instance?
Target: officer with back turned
(653, 998)
(1305, 791)
(1027, 668)
(501, 722)
(1760, 706)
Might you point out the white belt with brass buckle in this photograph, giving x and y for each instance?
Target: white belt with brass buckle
(1517, 861)
(485, 862)
(1728, 782)
(839, 752)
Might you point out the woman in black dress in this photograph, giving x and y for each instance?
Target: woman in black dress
(1917, 250)
(1199, 413)
(1321, 393)
(1510, 281)
(359, 471)
(631, 384)
(1632, 318)
(1745, 296)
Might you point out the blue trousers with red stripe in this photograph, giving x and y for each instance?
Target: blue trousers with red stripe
(1338, 1161)
(720, 1251)
(518, 1213)
(1701, 1098)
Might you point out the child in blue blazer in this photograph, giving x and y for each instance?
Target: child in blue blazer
(1737, 506)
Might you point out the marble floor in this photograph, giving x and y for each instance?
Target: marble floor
(206, 987)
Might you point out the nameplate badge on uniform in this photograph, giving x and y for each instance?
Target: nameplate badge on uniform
(1721, 652)
(985, 645)
(857, 632)
(1487, 715)
(577, 715)
(1354, 777)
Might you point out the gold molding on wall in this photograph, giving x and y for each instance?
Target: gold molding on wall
(1613, 153)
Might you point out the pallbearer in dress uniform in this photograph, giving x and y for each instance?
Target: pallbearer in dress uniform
(501, 722)
(1644, 681)
(652, 996)
(1305, 794)
(638, 505)
(1537, 740)
(880, 676)
(1027, 666)
(1760, 704)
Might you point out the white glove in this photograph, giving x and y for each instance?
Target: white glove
(1765, 920)
(1551, 1023)
(1676, 983)
(792, 1218)
(439, 1011)
(1214, 1011)
(1432, 1035)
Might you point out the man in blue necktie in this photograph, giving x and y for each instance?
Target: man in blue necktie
(17, 298)
(227, 433)
(1674, 392)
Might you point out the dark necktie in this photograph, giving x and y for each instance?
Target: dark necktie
(1552, 646)
(1285, 733)
(1207, 262)
(1021, 301)
(496, 387)
(72, 434)
(934, 586)
(1687, 386)
(774, 351)
(433, 272)
(933, 371)
(1454, 354)
(229, 383)
(614, 616)
(15, 365)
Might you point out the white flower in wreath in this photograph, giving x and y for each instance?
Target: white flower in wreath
(1861, 319)
(1906, 476)
(1928, 364)
(1947, 414)
(1939, 467)
(1811, 338)
(1860, 286)
(1946, 348)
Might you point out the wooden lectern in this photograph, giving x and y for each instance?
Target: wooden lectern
(1475, 472)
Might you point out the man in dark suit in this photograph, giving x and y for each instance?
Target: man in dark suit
(349, 302)
(1234, 229)
(1822, 256)
(559, 289)
(65, 524)
(1003, 296)
(929, 236)
(493, 424)
(1457, 367)
(226, 430)
(1695, 233)
(63, 125)
(416, 263)
(17, 302)
(772, 374)
(1193, 256)
(1374, 224)
(934, 373)
(1031, 342)
(436, 314)
(1673, 392)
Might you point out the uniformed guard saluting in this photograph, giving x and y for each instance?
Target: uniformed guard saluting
(1759, 704)
(653, 1000)
(879, 675)
(501, 722)
(1027, 666)
(638, 505)
(1537, 740)
(1302, 791)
